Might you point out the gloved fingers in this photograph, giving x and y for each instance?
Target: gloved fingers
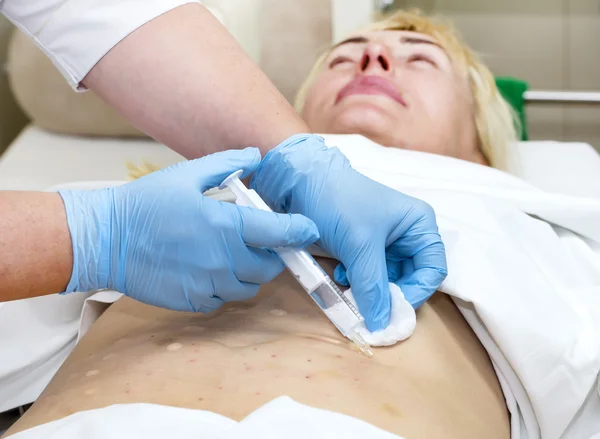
(202, 303)
(415, 241)
(395, 270)
(261, 228)
(257, 266)
(368, 277)
(419, 286)
(340, 275)
(228, 288)
(243, 291)
(211, 170)
(425, 275)
(413, 234)
(224, 287)
(407, 267)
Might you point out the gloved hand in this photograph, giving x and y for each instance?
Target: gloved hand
(376, 233)
(159, 241)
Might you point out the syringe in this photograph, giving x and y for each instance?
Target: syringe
(334, 303)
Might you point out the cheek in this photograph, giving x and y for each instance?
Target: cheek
(322, 94)
(443, 109)
(438, 98)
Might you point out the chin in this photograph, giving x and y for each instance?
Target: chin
(374, 124)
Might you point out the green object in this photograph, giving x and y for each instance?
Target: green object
(513, 90)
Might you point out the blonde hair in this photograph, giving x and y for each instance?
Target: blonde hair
(496, 122)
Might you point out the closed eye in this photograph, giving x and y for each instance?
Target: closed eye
(423, 58)
(339, 60)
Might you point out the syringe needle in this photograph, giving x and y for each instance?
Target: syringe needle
(362, 345)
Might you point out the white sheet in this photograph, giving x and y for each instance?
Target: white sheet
(280, 418)
(31, 354)
(530, 291)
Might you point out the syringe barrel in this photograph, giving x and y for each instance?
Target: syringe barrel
(306, 270)
(327, 297)
(303, 266)
(299, 262)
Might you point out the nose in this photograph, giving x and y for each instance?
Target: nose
(376, 59)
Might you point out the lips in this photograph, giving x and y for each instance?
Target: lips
(371, 85)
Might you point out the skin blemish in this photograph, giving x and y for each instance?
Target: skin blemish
(90, 392)
(127, 391)
(220, 387)
(193, 360)
(257, 393)
(174, 347)
(255, 349)
(200, 399)
(307, 377)
(278, 312)
(391, 409)
(309, 360)
(273, 356)
(338, 356)
(148, 374)
(91, 373)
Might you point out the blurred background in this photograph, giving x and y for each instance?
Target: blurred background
(550, 44)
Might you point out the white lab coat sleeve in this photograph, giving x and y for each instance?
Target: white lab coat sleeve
(76, 34)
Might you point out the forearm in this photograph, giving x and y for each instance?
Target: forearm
(184, 80)
(35, 245)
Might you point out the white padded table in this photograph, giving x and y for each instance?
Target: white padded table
(38, 159)
(571, 168)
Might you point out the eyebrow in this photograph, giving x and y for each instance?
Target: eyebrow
(352, 40)
(404, 39)
(417, 40)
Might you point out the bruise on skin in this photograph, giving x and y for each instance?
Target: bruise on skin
(391, 409)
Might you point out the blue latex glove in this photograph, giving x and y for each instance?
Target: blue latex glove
(159, 241)
(377, 233)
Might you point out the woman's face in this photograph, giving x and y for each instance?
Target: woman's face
(398, 88)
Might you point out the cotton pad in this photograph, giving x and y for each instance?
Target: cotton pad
(402, 320)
